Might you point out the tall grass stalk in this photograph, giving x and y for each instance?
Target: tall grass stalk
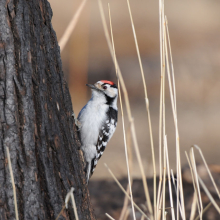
(198, 196)
(12, 182)
(209, 194)
(109, 216)
(162, 65)
(60, 212)
(124, 191)
(166, 67)
(171, 64)
(193, 207)
(174, 180)
(169, 180)
(174, 110)
(205, 209)
(68, 31)
(127, 103)
(122, 116)
(69, 196)
(196, 178)
(130, 156)
(163, 127)
(148, 113)
(125, 205)
(207, 168)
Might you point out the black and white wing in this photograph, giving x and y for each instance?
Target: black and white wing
(105, 134)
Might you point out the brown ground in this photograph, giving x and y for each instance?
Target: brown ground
(108, 198)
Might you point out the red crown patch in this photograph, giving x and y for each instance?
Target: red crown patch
(108, 82)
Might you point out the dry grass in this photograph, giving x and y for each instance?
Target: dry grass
(125, 192)
(13, 183)
(127, 103)
(122, 113)
(148, 114)
(69, 196)
(109, 216)
(166, 68)
(165, 173)
(69, 30)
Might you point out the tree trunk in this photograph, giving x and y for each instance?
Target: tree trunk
(35, 118)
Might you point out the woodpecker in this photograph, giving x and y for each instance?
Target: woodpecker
(97, 123)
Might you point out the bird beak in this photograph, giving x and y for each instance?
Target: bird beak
(92, 87)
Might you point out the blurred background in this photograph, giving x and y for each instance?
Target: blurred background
(194, 32)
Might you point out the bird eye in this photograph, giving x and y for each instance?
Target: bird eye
(104, 87)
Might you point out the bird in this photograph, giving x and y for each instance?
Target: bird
(97, 122)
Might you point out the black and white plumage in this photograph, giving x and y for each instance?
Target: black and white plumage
(98, 121)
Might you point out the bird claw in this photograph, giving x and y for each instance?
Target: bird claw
(77, 122)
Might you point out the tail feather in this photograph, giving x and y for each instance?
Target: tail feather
(89, 169)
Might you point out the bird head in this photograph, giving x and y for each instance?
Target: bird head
(105, 88)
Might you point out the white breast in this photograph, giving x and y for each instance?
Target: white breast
(91, 120)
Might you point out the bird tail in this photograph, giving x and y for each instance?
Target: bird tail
(87, 171)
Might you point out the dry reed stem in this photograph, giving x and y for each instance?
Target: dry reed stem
(125, 205)
(147, 108)
(201, 182)
(210, 175)
(65, 37)
(13, 183)
(163, 129)
(74, 206)
(159, 205)
(122, 114)
(194, 185)
(204, 210)
(193, 207)
(160, 115)
(60, 212)
(127, 103)
(159, 193)
(169, 181)
(164, 191)
(195, 175)
(161, 190)
(171, 63)
(171, 83)
(165, 215)
(109, 216)
(126, 214)
(209, 194)
(158, 198)
(178, 161)
(68, 196)
(124, 191)
(173, 179)
(142, 217)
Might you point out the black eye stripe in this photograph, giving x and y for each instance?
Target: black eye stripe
(113, 86)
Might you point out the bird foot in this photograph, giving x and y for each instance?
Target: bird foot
(77, 122)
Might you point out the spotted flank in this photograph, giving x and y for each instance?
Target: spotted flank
(108, 129)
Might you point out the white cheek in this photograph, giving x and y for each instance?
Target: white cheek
(111, 93)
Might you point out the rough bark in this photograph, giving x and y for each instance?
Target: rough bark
(35, 118)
